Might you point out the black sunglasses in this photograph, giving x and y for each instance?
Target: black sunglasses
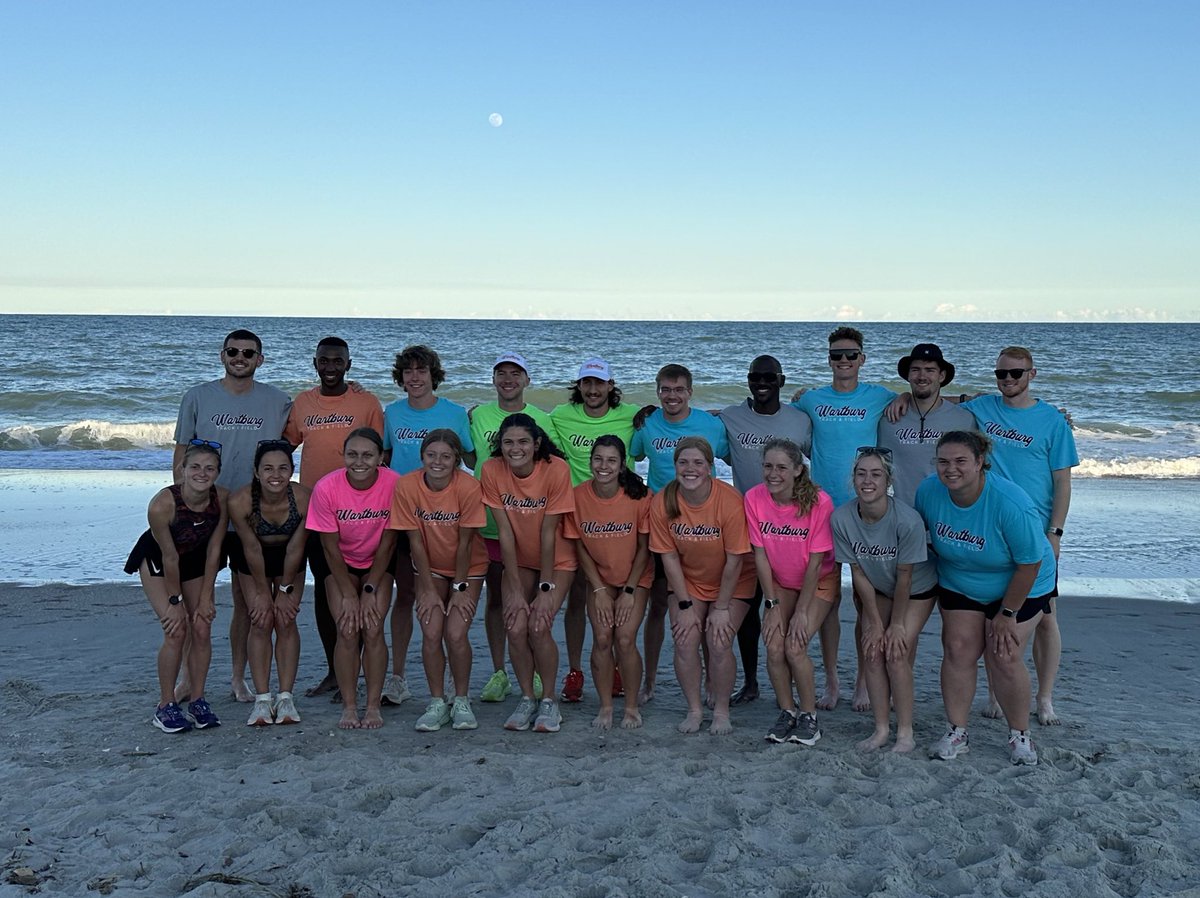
(836, 355)
(1014, 373)
(232, 352)
(277, 444)
(762, 377)
(210, 444)
(873, 450)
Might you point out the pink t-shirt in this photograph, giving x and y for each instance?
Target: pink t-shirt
(787, 539)
(358, 517)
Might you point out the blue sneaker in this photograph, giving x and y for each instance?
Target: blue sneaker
(202, 715)
(170, 719)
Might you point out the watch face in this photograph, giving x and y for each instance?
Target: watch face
(545, 587)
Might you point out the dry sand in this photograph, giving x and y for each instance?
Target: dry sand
(94, 800)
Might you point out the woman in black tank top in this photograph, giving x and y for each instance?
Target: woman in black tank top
(268, 515)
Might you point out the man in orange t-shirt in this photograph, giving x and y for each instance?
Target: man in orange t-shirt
(321, 419)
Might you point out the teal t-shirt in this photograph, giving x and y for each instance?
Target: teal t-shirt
(657, 438)
(841, 423)
(404, 428)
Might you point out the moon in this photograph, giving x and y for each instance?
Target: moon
(495, 120)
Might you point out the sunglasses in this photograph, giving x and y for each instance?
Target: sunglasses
(764, 377)
(209, 444)
(836, 355)
(232, 352)
(1014, 373)
(873, 450)
(277, 444)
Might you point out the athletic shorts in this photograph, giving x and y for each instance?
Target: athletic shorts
(273, 558)
(956, 601)
(827, 589)
(316, 558)
(925, 596)
(191, 564)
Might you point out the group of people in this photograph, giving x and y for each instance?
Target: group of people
(928, 497)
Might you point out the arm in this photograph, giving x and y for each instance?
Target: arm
(348, 620)
(207, 606)
(799, 629)
(771, 617)
(602, 593)
(872, 621)
(374, 605)
(461, 602)
(511, 599)
(545, 604)
(259, 603)
(1060, 506)
(641, 558)
(682, 620)
(287, 605)
(897, 637)
(159, 515)
(1004, 629)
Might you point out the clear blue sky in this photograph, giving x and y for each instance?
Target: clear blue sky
(804, 160)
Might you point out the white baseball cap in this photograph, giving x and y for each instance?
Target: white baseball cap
(512, 358)
(597, 368)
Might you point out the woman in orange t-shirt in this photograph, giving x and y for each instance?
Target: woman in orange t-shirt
(527, 485)
(440, 506)
(698, 526)
(612, 525)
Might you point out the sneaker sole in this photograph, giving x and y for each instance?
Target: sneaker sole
(469, 725)
(287, 721)
(949, 756)
(428, 728)
(797, 740)
(546, 728)
(166, 729)
(771, 737)
(260, 722)
(518, 729)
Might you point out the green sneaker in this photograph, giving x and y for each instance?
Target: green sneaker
(462, 715)
(497, 688)
(436, 716)
(537, 687)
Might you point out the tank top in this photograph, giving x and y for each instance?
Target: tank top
(266, 528)
(190, 530)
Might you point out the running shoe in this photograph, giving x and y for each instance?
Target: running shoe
(618, 686)
(462, 715)
(522, 718)
(285, 709)
(549, 719)
(807, 731)
(202, 715)
(262, 715)
(573, 686)
(170, 719)
(395, 690)
(783, 727)
(537, 687)
(436, 716)
(1022, 748)
(497, 688)
(954, 743)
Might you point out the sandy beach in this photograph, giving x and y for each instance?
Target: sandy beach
(97, 801)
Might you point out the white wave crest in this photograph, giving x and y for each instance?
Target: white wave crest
(90, 434)
(1158, 468)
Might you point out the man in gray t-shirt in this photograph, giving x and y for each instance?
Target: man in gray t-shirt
(913, 438)
(236, 412)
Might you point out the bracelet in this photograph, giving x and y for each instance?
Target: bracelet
(600, 589)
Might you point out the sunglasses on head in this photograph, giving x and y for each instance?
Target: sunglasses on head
(277, 444)
(1014, 373)
(232, 352)
(873, 450)
(210, 444)
(836, 355)
(762, 377)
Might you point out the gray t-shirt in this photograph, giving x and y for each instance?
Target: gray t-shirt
(896, 538)
(914, 443)
(237, 422)
(749, 431)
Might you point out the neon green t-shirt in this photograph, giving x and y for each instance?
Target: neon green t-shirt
(577, 431)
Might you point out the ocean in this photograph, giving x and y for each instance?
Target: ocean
(87, 414)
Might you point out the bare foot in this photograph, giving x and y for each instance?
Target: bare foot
(372, 719)
(646, 694)
(861, 701)
(691, 723)
(349, 719)
(748, 693)
(603, 720)
(721, 725)
(875, 742)
(330, 682)
(904, 744)
(829, 700)
(1045, 713)
(993, 710)
(632, 719)
(241, 692)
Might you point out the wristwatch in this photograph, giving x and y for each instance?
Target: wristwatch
(1054, 531)
(629, 590)
(368, 588)
(287, 589)
(174, 600)
(1008, 612)
(685, 604)
(459, 586)
(770, 603)
(545, 586)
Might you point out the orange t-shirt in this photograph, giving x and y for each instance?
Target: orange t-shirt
(701, 536)
(609, 530)
(322, 424)
(526, 501)
(439, 516)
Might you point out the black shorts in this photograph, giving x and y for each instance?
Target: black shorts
(925, 596)
(956, 601)
(273, 558)
(147, 549)
(316, 558)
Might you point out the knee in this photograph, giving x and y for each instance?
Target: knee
(796, 654)
(200, 629)
(626, 642)
(518, 631)
(602, 640)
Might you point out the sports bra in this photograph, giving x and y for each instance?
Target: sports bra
(266, 528)
(190, 530)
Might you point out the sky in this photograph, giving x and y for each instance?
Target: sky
(914, 161)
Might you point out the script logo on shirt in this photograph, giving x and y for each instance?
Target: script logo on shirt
(964, 537)
(579, 441)
(766, 528)
(754, 440)
(229, 422)
(841, 411)
(606, 529)
(862, 550)
(437, 516)
(406, 434)
(367, 514)
(696, 531)
(1008, 434)
(331, 420)
(911, 436)
(664, 443)
(522, 503)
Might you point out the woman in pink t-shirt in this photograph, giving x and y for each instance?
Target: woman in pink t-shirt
(350, 508)
(788, 516)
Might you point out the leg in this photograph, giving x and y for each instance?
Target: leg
(629, 660)
(861, 700)
(239, 635)
(493, 615)
(778, 671)
(326, 625)
(258, 644)
(543, 645)
(1047, 653)
(724, 670)
(575, 624)
(1010, 676)
(458, 645)
(687, 668)
(748, 635)
(900, 675)
(518, 635)
(800, 662)
(879, 687)
(170, 653)
(402, 612)
(962, 644)
(602, 667)
(653, 636)
(375, 659)
(433, 654)
(831, 634)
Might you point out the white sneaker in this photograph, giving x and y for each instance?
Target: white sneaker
(262, 714)
(950, 746)
(285, 709)
(522, 717)
(462, 715)
(549, 719)
(395, 690)
(1022, 748)
(436, 716)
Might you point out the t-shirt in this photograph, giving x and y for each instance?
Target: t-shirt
(979, 547)
(526, 501)
(788, 539)
(439, 515)
(701, 536)
(238, 422)
(358, 517)
(485, 424)
(841, 423)
(658, 437)
(896, 538)
(577, 431)
(1028, 446)
(609, 530)
(322, 423)
(914, 443)
(748, 432)
(404, 428)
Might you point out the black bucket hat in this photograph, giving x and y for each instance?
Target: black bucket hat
(926, 352)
